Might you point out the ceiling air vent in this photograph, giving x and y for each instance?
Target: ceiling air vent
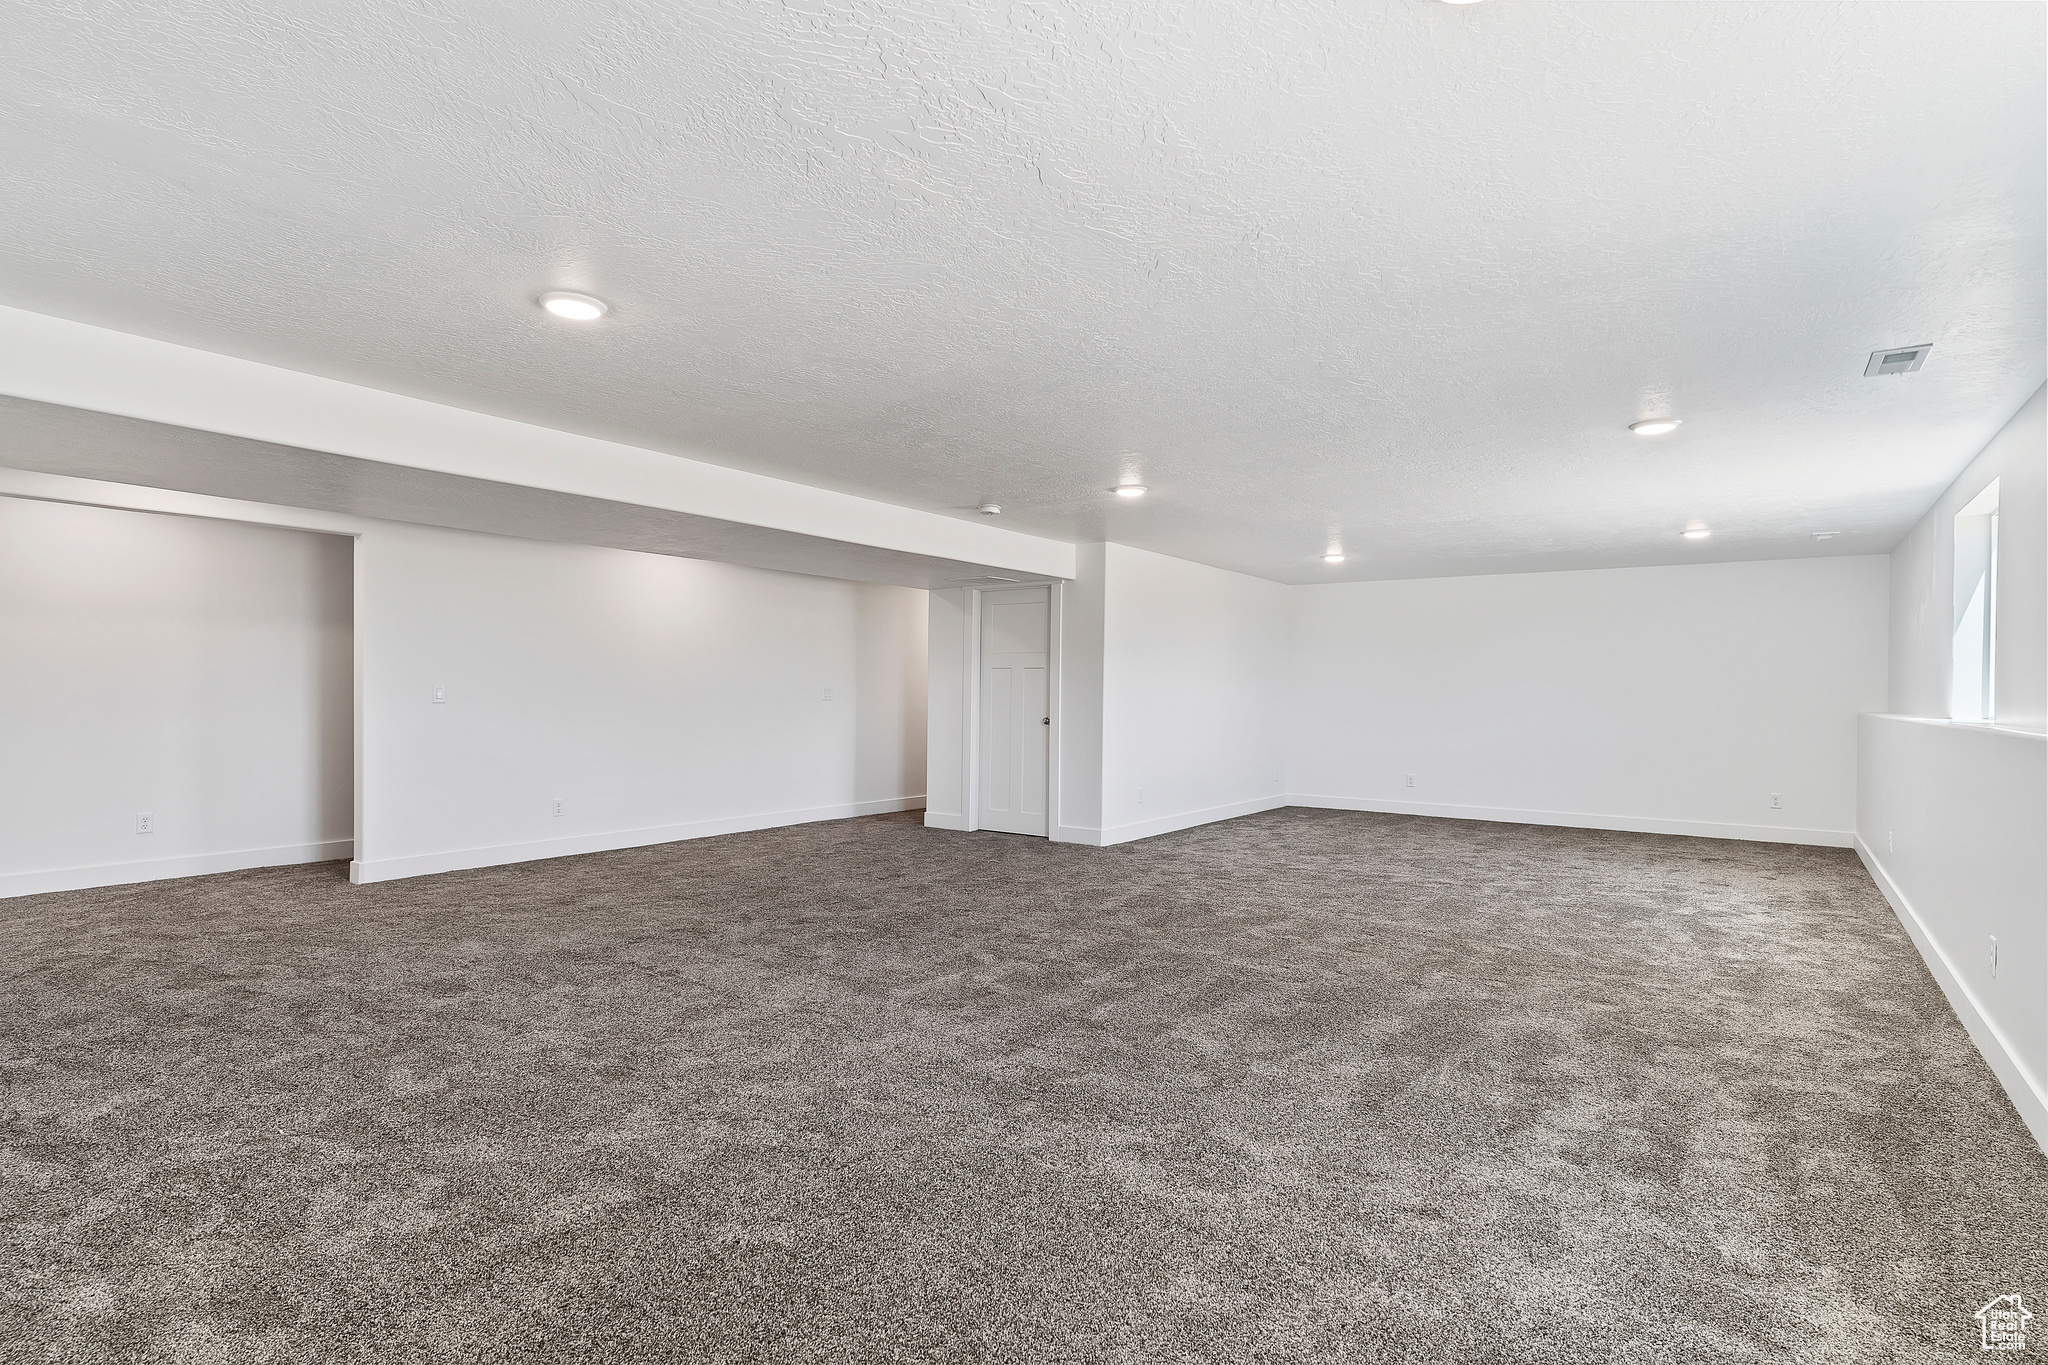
(1897, 360)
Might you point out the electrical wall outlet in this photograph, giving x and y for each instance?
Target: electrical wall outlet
(1411, 779)
(1889, 847)
(1994, 955)
(440, 693)
(1141, 796)
(559, 803)
(828, 694)
(145, 822)
(1777, 801)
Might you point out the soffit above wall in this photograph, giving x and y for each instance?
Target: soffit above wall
(51, 439)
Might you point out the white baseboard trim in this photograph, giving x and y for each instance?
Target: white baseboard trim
(1167, 824)
(1704, 829)
(158, 869)
(2025, 1091)
(1060, 834)
(457, 860)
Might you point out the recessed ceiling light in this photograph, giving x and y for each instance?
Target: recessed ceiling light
(574, 307)
(988, 509)
(1655, 426)
(1825, 535)
(1695, 533)
(1334, 557)
(1130, 490)
(1461, 2)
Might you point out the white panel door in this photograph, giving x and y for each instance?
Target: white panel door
(1015, 720)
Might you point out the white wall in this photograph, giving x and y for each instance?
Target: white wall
(1078, 717)
(1952, 817)
(197, 670)
(53, 360)
(889, 692)
(657, 698)
(1923, 568)
(1169, 684)
(949, 622)
(1673, 699)
(1193, 668)
(1952, 823)
(1677, 698)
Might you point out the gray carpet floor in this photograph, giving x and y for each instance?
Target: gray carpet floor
(1305, 1086)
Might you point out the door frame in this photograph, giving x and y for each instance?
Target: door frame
(970, 714)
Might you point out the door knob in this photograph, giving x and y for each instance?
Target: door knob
(1046, 721)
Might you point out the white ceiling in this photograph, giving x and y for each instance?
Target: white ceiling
(1387, 269)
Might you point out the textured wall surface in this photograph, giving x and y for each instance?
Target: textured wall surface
(1386, 270)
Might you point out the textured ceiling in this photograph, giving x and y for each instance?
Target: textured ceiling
(1389, 270)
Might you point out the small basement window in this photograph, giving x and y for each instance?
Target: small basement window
(1976, 588)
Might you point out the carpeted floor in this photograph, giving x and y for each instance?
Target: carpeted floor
(1306, 1086)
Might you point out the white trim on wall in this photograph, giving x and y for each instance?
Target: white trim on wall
(2026, 1092)
(1168, 824)
(456, 860)
(970, 716)
(970, 712)
(358, 600)
(1703, 829)
(1053, 626)
(1698, 829)
(161, 869)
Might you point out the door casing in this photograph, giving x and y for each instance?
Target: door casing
(970, 721)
